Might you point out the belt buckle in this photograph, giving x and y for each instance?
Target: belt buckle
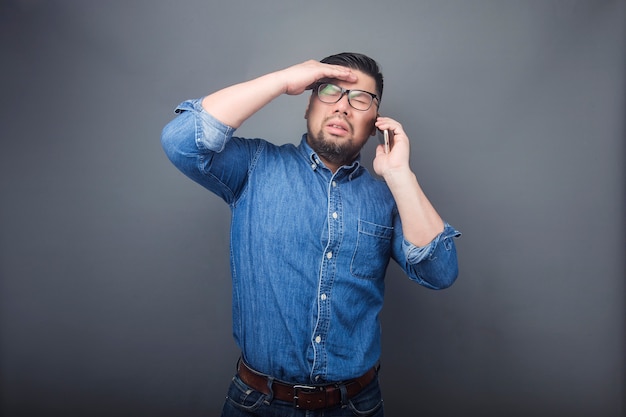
(304, 389)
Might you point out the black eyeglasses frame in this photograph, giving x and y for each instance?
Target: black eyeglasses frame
(345, 91)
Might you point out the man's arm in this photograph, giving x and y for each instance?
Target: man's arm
(420, 221)
(234, 104)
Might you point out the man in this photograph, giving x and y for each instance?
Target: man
(312, 233)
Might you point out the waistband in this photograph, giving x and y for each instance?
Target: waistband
(305, 397)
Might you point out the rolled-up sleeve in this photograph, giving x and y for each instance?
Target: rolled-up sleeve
(435, 265)
(194, 126)
(199, 145)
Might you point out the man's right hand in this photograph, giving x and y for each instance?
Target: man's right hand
(301, 77)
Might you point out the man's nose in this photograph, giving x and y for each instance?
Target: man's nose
(342, 105)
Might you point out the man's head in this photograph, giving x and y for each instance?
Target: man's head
(338, 124)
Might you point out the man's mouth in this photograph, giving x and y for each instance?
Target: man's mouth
(337, 128)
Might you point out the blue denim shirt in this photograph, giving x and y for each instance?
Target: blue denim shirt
(309, 249)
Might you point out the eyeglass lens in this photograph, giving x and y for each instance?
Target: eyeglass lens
(331, 93)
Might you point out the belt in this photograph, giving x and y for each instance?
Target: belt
(305, 397)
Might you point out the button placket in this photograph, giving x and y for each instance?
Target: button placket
(327, 276)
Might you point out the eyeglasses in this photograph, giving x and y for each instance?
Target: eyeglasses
(358, 99)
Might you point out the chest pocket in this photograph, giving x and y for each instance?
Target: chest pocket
(372, 251)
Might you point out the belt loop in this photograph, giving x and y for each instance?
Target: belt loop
(239, 361)
(270, 396)
(344, 395)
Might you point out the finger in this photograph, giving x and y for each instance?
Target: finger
(338, 72)
(383, 123)
(393, 129)
(380, 150)
(333, 72)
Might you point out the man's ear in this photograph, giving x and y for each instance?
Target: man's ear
(373, 133)
(308, 107)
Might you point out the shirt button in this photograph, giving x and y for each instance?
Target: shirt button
(313, 166)
(323, 297)
(335, 215)
(318, 339)
(334, 183)
(329, 255)
(317, 378)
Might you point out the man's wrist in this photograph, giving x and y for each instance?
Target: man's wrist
(399, 177)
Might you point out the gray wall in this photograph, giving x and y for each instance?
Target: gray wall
(115, 287)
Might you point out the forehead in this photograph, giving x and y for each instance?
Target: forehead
(364, 82)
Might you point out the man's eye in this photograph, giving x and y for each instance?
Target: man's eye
(330, 90)
(361, 97)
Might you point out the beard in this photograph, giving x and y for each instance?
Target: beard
(341, 151)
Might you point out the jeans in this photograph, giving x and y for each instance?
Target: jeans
(243, 401)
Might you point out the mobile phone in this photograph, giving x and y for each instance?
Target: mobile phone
(386, 139)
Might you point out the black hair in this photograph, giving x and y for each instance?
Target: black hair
(359, 62)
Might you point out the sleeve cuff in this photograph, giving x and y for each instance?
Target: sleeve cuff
(416, 254)
(211, 134)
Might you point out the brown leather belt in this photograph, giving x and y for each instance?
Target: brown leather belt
(305, 397)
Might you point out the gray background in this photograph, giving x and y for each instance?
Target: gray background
(115, 287)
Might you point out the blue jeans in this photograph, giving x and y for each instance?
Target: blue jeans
(243, 401)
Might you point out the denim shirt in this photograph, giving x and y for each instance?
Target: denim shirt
(309, 249)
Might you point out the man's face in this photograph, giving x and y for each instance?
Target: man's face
(337, 132)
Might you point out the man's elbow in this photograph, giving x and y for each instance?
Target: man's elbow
(439, 272)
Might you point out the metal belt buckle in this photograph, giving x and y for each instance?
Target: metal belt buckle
(304, 389)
